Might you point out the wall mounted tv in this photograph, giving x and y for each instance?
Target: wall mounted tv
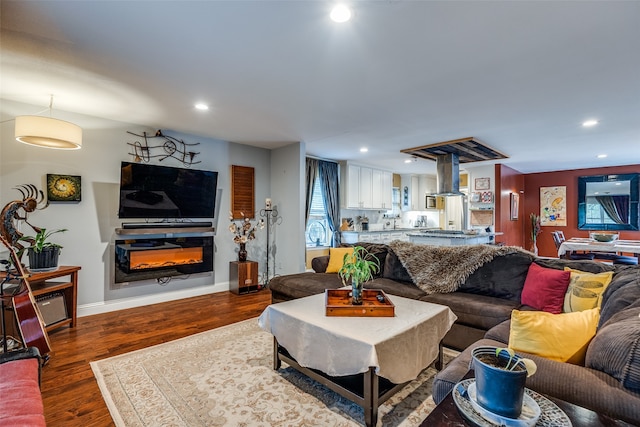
(152, 191)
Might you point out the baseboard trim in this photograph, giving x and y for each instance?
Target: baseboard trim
(124, 303)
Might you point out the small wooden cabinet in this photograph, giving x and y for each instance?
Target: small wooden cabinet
(243, 277)
(42, 285)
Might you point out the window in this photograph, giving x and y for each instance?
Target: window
(318, 232)
(595, 213)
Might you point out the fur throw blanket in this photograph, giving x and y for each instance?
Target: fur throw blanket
(441, 269)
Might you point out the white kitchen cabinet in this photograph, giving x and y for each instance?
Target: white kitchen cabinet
(365, 188)
(381, 189)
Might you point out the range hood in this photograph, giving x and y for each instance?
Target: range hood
(448, 175)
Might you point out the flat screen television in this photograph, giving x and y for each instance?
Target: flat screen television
(162, 192)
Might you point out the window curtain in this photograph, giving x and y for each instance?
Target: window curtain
(617, 207)
(328, 175)
(310, 177)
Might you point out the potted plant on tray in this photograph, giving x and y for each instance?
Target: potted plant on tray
(43, 254)
(500, 379)
(359, 267)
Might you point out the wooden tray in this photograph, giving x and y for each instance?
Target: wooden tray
(338, 303)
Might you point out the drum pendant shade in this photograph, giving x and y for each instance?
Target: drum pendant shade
(48, 132)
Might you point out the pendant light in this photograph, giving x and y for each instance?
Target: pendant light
(48, 132)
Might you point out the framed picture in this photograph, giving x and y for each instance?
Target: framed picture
(515, 206)
(64, 188)
(553, 206)
(482, 183)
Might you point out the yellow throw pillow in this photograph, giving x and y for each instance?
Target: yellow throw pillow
(585, 290)
(563, 337)
(336, 258)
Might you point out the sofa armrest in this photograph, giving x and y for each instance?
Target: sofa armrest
(320, 264)
(25, 353)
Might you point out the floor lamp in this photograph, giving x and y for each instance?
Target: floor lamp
(271, 218)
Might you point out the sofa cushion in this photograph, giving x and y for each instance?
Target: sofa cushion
(479, 311)
(616, 349)
(622, 292)
(563, 337)
(391, 287)
(394, 270)
(544, 288)
(582, 265)
(292, 286)
(585, 290)
(502, 277)
(336, 258)
(375, 250)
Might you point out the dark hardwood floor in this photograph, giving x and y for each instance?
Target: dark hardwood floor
(70, 393)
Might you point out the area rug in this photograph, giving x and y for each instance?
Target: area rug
(225, 377)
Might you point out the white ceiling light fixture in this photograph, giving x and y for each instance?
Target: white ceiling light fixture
(364, 149)
(589, 123)
(202, 106)
(48, 132)
(340, 13)
(602, 156)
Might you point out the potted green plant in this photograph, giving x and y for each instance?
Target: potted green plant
(359, 267)
(43, 254)
(500, 379)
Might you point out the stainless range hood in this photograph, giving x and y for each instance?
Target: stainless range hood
(448, 175)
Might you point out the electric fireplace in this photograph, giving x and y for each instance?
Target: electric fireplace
(155, 258)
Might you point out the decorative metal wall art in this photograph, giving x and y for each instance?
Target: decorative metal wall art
(167, 146)
(64, 188)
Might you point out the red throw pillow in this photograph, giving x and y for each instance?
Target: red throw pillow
(544, 288)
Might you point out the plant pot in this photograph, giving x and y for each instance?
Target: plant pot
(45, 260)
(498, 390)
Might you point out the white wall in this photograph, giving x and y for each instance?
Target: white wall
(92, 222)
(287, 193)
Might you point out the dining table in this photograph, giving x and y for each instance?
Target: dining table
(586, 244)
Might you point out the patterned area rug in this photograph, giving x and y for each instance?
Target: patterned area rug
(224, 377)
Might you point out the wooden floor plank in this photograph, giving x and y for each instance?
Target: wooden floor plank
(69, 390)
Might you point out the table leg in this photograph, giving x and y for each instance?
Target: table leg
(371, 393)
(440, 359)
(276, 359)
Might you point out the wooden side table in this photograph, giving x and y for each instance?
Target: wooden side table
(243, 277)
(42, 285)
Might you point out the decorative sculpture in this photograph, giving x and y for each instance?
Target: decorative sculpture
(172, 147)
(32, 198)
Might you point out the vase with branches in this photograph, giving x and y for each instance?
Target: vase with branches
(535, 230)
(243, 231)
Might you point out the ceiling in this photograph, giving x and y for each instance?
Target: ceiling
(521, 76)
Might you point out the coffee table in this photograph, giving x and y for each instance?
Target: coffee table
(364, 359)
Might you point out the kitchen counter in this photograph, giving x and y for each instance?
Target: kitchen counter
(450, 239)
(377, 236)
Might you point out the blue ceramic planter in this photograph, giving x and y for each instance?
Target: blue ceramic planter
(498, 390)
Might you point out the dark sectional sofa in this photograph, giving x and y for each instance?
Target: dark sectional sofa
(609, 381)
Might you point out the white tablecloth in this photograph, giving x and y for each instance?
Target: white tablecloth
(398, 347)
(577, 244)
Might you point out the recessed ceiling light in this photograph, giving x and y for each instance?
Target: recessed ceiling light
(408, 161)
(589, 123)
(602, 156)
(201, 106)
(340, 13)
(364, 149)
